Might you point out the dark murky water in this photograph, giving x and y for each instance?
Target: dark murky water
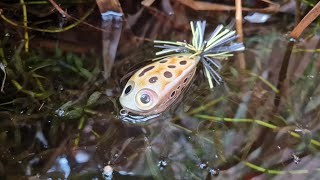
(59, 109)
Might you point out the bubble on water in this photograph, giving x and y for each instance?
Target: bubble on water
(203, 165)
(162, 164)
(310, 76)
(296, 159)
(60, 112)
(107, 172)
(60, 87)
(82, 157)
(214, 172)
(298, 130)
(109, 92)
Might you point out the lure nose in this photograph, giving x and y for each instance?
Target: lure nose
(123, 112)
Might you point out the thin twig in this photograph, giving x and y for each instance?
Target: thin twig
(64, 14)
(58, 8)
(25, 25)
(295, 34)
(304, 23)
(239, 20)
(240, 56)
(207, 6)
(56, 30)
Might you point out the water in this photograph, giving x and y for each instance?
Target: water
(60, 110)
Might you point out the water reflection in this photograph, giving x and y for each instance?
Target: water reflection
(61, 165)
(59, 117)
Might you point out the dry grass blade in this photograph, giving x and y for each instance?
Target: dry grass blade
(206, 6)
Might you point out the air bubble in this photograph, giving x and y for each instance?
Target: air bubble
(60, 112)
(310, 76)
(203, 165)
(296, 159)
(214, 172)
(162, 164)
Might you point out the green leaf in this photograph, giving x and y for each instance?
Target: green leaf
(87, 74)
(93, 98)
(73, 114)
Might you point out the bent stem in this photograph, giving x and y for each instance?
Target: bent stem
(295, 34)
(274, 172)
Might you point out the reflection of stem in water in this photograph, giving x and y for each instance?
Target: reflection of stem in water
(202, 108)
(283, 72)
(259, 122)
(110, 43)
(276, 172)
(151, 162)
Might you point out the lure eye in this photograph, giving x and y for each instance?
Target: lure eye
(146, 99)
(128, 88)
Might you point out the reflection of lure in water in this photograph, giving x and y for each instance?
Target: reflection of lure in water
(153, 88)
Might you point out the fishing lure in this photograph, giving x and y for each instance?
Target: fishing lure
(153, 88)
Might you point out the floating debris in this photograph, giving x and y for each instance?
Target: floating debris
(257, 17)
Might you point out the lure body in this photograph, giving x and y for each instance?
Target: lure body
(153, 88)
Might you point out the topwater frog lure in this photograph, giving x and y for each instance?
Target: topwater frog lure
(153, 88)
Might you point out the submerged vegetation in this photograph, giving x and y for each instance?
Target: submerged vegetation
(59, 103)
